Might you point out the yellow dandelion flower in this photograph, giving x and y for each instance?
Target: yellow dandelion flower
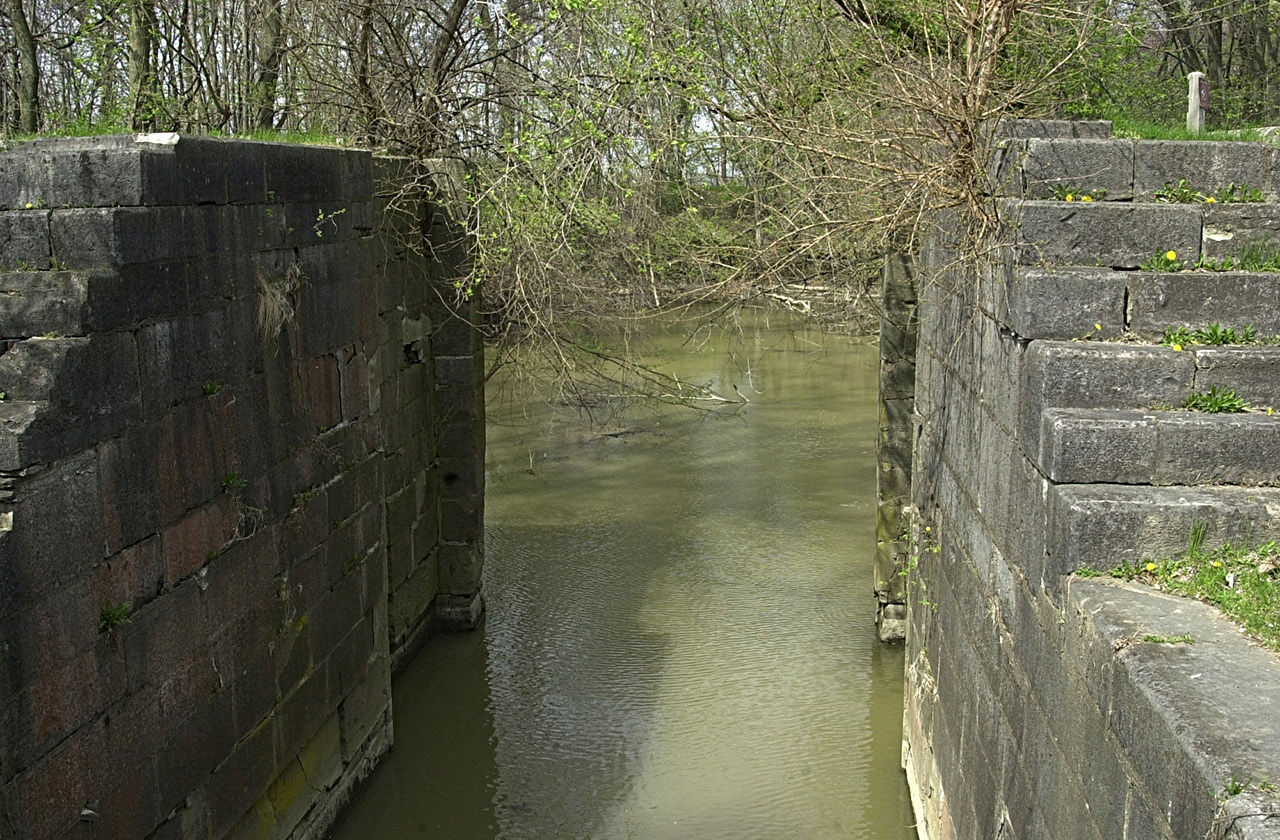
(30, 205)
(1086, 198)
(1151, 567)
(1097, 327)
(1177, 347)
(1210, 200)
(1170, 255)
(1071, 197)
(1216, 563)
(1270, 411)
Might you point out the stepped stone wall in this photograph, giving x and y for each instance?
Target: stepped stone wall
(241, 462)
(1034, 706)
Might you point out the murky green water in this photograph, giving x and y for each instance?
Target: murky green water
(679, 641)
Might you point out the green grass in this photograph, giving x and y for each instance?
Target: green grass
(1140, 129)
(1215, 401)
(1254, 258)
(1214, 335)
(1242, 582)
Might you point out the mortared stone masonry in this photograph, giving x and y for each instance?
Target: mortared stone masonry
(241, 477)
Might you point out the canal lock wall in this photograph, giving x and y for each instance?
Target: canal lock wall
(241, 477)
(1039, 703)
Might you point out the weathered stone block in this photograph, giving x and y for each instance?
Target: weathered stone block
(1004, 168)
(24, 240)
(1232, 230)
(1066, 303)
(365, 712)
(1217, 449)
(1079, 164)
(1249, 371)
(1197, 299)
(1099, 375)
(1101, 233)
(1206, 167)
(242, 778)
(1100, 526)
(459, 568)
(1087, 446)
(43, 303)
(1061, 129)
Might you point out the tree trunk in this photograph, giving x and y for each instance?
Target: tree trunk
(269, 65)
(143, 92)
(28, 70)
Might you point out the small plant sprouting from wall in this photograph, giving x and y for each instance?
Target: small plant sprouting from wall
(277, 299)
(1184, 193)
(1157, 639)
(1254, 258)
(1067, 192)
(114, 616)
(1213, 335)
(1215, 401)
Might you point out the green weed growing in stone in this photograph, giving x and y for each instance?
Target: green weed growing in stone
(233, 482)
(1213, 335)
(1254, 258)
(1067, 192)
(1168, 261)
(1235, 193)
(211, 388)
(1242, 582)
(1215, 401)
(114, 616)
(1157, 639)
(1180, 193)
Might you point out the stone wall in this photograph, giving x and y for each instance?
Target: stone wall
(897, 375)
(1037, 703)
(239, 464)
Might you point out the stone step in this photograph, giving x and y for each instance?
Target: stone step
(1125, 235)
(1071, 302)
(1101, 526)
(1099, 446)
(1133, 170)
(1111, 375)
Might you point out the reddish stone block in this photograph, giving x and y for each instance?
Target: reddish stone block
(60, 701)
(127, 482)
(307, 524)
(240, 582)
(51, 794)
(195, 744)
(355, 387)
(199, 537)
(188, 469)
(136, 575)
(57, 534)
(325, 390)
(164, 638)
(57, 629)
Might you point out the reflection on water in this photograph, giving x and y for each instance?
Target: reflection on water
(679, 641)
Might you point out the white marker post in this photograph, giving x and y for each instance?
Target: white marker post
(1197, 100)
